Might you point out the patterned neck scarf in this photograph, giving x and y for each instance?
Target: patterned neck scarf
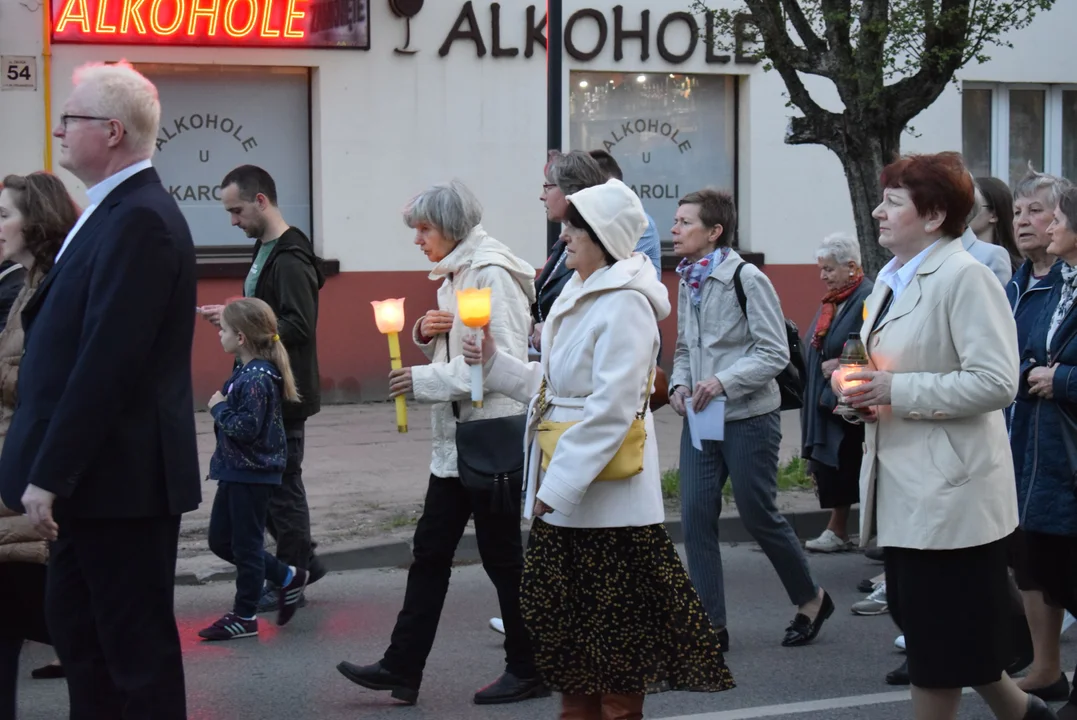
(694, 273)
(830, 308)
(1069, 293)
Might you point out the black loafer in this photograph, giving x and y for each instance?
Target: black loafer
(49, 672)
(1057, 691)
(376, 677)
(723, 640)
(899, 676)
(803, 630)
(875, 553)
(1038, 710)
(509, 689)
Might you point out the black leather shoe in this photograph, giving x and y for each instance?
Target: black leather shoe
(376, 677)
(49, 672)
(899, 676)
(802, 630)
(875, 553)
(316, 569)
(723, 640)
(1057, 691)
(1038, 710)
(866, 586)
(509, 689)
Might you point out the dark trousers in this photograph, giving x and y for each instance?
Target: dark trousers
(289, 515)
(449, 505)
(9, 675)
(109, 604)
(237, 535)
(22, 617)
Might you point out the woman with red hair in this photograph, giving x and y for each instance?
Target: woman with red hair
(937, 480)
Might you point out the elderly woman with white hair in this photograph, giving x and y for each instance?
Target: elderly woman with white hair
(446, 219)
(608, 604)
(831, 445)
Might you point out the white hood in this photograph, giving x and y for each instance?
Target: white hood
(479, 250)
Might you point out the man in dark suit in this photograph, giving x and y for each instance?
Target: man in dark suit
(101, 452)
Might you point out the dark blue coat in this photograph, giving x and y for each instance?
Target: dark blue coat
(1045, 490)
(251, 444)
(1027, 306)
(104, 412)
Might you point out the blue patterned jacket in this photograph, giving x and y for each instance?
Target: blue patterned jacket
(251, 445)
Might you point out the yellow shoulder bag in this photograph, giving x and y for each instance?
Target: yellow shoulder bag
(627, 463)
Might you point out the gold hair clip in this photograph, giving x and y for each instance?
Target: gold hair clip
(276, 338)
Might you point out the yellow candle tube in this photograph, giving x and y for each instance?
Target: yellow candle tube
(396, 364)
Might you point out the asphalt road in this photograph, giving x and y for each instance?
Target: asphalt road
(291, 673)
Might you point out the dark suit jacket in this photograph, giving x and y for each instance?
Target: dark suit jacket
(104, 416)
(551, 281)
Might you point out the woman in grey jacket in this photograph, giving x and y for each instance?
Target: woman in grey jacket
(733, 355)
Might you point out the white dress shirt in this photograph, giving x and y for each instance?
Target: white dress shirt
(98, 193)
(897, 277)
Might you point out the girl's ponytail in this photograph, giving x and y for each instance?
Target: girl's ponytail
(279, 357)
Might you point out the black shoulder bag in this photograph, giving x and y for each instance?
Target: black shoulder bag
(490, 454)
(791, 379)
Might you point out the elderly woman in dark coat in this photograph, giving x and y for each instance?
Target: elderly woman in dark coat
(832, 446)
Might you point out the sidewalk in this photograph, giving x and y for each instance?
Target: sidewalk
(366, 482)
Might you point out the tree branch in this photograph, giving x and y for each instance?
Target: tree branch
(944, 41)
(871, 46)
(778, 46)
(812, 43)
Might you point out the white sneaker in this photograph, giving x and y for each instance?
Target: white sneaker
(899, 643)
(1067, 622)
(497, 625)
(828, 542)
(874, 604)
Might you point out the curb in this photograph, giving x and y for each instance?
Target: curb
(806, 525)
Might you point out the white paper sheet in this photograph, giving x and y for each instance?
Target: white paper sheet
(706, 425)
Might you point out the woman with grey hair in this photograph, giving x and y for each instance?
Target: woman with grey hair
(565, 174)
(832, 446)
(1030, 292)
(446, 219)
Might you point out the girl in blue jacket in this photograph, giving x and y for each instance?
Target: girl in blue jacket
(248, 464)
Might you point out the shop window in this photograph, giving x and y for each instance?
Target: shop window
(670, 133)
(1007, 127)
(215, 118)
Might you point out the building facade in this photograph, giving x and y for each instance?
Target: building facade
(354, 108)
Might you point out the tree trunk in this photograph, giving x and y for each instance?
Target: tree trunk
(863, 159)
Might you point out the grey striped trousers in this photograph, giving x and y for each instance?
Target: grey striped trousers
(749, 454)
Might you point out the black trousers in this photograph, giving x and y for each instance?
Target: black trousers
(289, 515)
(109, 604)
(448, 507)
(237, 534)
(22, 617)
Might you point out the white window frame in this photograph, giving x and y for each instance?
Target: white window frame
(1000, 124)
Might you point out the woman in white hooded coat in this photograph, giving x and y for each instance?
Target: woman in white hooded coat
(446, 222)
(608, 604)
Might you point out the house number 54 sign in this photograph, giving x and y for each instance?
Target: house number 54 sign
(18, 72)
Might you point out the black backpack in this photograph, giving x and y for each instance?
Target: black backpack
(791, 379)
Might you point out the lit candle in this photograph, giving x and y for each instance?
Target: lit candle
(854, 359)
(473, 305)
(389, 316)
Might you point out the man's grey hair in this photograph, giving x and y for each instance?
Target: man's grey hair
(1034, 183)
(839, 247)
(450, 207)
(122, 93)
(574, 171)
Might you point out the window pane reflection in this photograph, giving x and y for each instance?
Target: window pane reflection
(1026, 132)
(976, 130)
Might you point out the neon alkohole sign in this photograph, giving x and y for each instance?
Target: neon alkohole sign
(297, 23)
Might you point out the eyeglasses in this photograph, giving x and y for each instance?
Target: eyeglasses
(65, 118)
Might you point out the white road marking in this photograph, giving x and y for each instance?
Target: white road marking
(809, 706)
